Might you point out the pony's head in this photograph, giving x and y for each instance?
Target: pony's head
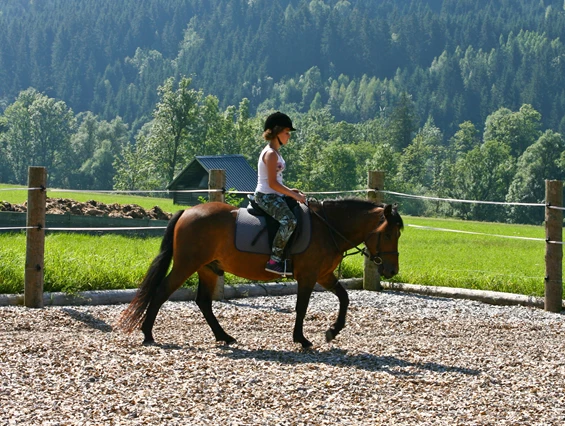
(383, 242)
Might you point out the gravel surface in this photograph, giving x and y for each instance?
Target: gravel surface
(402, 359)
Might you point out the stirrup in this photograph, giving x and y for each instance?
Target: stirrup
(283, 268)
(287, 267)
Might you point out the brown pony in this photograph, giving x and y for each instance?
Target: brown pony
(201, 240)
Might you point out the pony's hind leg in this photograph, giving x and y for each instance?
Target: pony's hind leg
(331, 283)
(174, 280)
(207, 281)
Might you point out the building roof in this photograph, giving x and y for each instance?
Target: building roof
(239, 174)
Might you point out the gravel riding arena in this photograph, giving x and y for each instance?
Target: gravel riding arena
(402, 359)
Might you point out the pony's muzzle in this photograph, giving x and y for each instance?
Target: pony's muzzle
(387, 270)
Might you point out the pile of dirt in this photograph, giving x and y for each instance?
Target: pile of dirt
(92, 208)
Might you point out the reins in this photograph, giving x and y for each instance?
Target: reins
(375, 258)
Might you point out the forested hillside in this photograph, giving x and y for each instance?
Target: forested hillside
(452, 98)
(459, 59)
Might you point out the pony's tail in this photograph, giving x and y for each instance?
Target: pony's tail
(135, 313)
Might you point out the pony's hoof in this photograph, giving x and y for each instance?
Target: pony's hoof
(306, 344)
(330, 335)
(228, 340)
(149, 342)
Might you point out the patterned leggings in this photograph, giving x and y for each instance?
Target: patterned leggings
(276, 206)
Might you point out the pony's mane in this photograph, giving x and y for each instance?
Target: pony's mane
(364, 204)
(355, 201)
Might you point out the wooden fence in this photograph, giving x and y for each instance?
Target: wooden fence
(36, 223)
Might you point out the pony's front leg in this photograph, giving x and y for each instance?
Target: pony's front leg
(206, 285)
(302, 300)
(331, 283)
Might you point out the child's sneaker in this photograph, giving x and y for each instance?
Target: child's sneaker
(276, 267)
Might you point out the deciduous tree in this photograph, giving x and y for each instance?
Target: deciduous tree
(539, 162)
(483, 174)
(517, 130)
(38, 133)
(174, 125)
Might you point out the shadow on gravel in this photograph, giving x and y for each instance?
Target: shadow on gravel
(88, 319)
(339, 358)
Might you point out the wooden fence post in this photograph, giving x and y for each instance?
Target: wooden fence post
(371, 276)
(217, 180)
(553, 252)
(35, 237)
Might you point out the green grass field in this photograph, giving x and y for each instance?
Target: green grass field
(485, 262)
(428, 257)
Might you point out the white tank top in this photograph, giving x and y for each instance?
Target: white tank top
(262, 173)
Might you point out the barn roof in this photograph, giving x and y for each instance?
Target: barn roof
(239, 174)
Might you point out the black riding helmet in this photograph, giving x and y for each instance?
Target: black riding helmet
(278, 119)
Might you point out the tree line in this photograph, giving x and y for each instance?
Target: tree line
(459, 59)
(506, 159)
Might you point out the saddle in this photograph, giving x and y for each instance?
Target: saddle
(255, 230)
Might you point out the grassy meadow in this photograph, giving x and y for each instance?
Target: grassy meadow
(486, 262)
(429, 257)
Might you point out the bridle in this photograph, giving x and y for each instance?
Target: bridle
(376, 258)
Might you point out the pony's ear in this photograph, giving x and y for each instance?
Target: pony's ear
(388, 211)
